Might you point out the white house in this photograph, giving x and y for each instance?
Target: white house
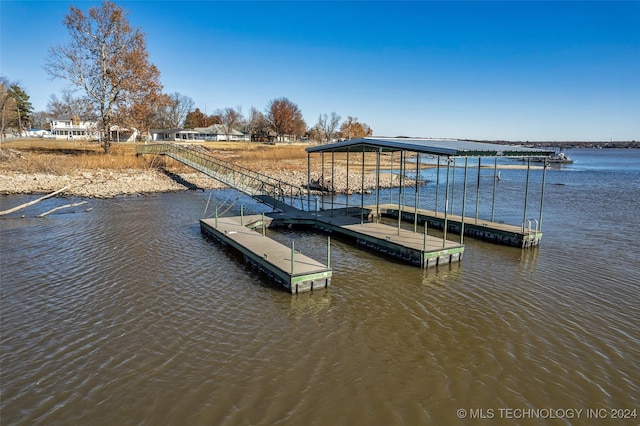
(215, 132)
(124, 134)
(173, 135)
(68, 127)
(36, 133)
(218, 132)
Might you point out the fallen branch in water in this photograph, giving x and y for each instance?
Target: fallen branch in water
(30, 203)
(66, 206)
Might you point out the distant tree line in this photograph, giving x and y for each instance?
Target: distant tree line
(113, 82)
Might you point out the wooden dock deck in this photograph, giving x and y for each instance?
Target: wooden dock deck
(496, 232)
(301, 273)
(411, 247)
(295, 271)
(403, 245)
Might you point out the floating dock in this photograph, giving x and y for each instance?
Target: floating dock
(299, 273)
(403, 245)
(495, 232)
(295, 271)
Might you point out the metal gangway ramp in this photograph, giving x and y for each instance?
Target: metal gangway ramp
(268, 190)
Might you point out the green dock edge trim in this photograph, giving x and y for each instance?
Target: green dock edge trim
(312, 276)
(443, 252)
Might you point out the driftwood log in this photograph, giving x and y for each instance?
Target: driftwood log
(30, 203)
(66, 206)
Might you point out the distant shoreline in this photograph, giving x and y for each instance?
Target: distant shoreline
(16, 176)
(565, 144)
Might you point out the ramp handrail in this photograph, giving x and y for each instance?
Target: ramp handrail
(250, 182)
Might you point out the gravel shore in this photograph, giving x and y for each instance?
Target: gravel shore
(112, 183)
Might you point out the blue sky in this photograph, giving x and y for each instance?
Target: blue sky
(485, 70)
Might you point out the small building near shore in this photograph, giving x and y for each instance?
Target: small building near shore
(124, 134)
(73, 127)
(220, 132)
(36, 133)
(173, 135)
(215, 132)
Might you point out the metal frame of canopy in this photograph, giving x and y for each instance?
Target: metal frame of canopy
(449, 148)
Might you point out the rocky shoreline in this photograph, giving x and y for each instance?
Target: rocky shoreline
(113, 183)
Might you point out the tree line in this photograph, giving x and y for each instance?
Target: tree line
(113, 82)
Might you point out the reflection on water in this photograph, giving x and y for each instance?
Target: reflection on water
(126, 314)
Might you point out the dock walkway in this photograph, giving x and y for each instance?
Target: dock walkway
(496, 232)
(295, 271)
(403, 245)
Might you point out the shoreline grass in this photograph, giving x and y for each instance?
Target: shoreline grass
(64, 157)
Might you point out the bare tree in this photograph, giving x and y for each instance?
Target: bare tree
(251, 121)
(230, 119)
(327, 124)
(67, 104)
(285, 118)
(177, 110)
(258, 125)
(107, 58)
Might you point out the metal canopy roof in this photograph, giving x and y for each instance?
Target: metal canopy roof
(447, 147)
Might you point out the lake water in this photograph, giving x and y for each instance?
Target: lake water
(126, 314)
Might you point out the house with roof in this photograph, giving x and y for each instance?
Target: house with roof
(124, 134)
(72, 127)
(173, 135)
(215, 132)
(220, 132)
(36, 133)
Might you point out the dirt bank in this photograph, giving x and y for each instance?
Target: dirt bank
(113, 183)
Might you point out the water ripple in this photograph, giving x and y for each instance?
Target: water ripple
(128, 315)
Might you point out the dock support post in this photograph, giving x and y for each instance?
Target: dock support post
(495, 182)
(328, 252)
(464, 197)
(323, 184)
(423, 258)
(264, 226)
(348, 190)
(400, 191)
(526, 194)
(391, 180)
(378, 185)
(241, 215)
(437, 184)
(478, 188)
(333, 191)
(424, 237)
(292, 254)
(362, 191)
(216, 217)
(544, 176)
(416, 196)
(453, 184)
(446, 205)
(308, 181)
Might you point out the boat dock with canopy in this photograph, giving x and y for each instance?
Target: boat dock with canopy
(527, 233)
